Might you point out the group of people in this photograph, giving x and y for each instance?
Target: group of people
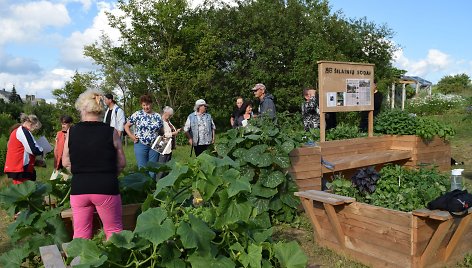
(92, 149)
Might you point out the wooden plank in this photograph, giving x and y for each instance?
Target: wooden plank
(353, 148)
(326, 194)
(440, 215)
(435, 242)
(421, 212)
(306, 174)
(347, 142)
(51, 257)
(333, 218)
(305, 151)
(371, 233)
(392, 231)
(308, 206)
(360, 256)
(304, 167)
(368, 159)
(390, 216)
(458, 234)
(320, 198)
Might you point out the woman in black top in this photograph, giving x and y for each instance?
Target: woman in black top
(94, 154)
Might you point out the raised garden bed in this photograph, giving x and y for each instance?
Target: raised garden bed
(351, 154)
(129, 216)
(382, 237)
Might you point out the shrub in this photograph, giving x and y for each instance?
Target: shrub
(397, 122)
(344, 131)
(3, 152)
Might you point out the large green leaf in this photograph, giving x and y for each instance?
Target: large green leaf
(273, 179)
(253, 257)
(262, 236)
(208, 184)
(259, 190)
(207, 163)
(88, 252)
(222, 149)
(287, 146)
(178, 170)
(197, 235)
(123, 239)
(259, 203)
(204, 262)
(290, 200)
(231, 210)
(237, 184)
(290, 255)
(14, 258)
(136, 181)
(282, 161)
(240, 152)
(154, 226)
(21, 192)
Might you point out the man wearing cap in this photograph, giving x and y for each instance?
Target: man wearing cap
(266, 105)
(114, 115)
(200, 128)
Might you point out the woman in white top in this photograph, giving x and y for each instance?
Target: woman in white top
(169, 133)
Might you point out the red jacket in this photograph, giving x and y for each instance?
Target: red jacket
(58, 149)
(21, 152)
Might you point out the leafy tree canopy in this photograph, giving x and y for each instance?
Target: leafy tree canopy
(454, 83)
(218, 52)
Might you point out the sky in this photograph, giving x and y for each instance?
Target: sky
(41, 42)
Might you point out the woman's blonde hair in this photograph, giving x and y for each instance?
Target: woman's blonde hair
(89, 101)
(32, 119)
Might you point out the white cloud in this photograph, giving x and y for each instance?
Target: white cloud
(40, 85)
(435, 65)
(72, 50)
(25, 22)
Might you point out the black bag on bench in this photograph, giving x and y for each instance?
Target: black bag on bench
(457, 202)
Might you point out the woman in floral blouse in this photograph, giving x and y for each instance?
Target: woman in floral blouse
(147, 125)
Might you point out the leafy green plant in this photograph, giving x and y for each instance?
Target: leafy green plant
(3, 151)
(344, 131)
(36, 224)
(397, 122)
(398, 188)
(212, 211)
(435, 104)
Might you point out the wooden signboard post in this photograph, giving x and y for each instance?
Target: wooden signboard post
(345, 87)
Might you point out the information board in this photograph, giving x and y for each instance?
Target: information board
(345, 87)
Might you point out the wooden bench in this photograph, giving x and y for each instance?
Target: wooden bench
(344, 155)
(381, 237)
(361, 152)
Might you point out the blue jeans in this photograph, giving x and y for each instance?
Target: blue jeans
(145, 154)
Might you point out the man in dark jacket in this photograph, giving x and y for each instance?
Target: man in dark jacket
(266, 105)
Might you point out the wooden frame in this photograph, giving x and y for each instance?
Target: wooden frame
(333, 79)
(351, 154)
(382, 237)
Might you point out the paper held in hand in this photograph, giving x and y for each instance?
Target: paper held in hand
(160, 144)
(43, 143)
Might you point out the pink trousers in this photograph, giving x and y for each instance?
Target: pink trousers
(108, 208)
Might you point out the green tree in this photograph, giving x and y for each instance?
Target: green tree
(219, 51)
(14, 97)
(67, 95)
(454, 83)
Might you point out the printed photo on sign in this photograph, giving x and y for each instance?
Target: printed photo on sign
(331, 99)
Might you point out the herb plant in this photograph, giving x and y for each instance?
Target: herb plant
(399, 188)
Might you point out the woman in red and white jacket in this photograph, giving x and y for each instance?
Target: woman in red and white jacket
(22, 150)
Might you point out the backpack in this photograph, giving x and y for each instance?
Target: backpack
(456, 202)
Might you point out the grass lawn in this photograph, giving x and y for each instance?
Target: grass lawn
(461, 146)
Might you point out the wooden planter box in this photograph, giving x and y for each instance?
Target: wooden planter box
(129, 216)
(382, 237)
(352, 154)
